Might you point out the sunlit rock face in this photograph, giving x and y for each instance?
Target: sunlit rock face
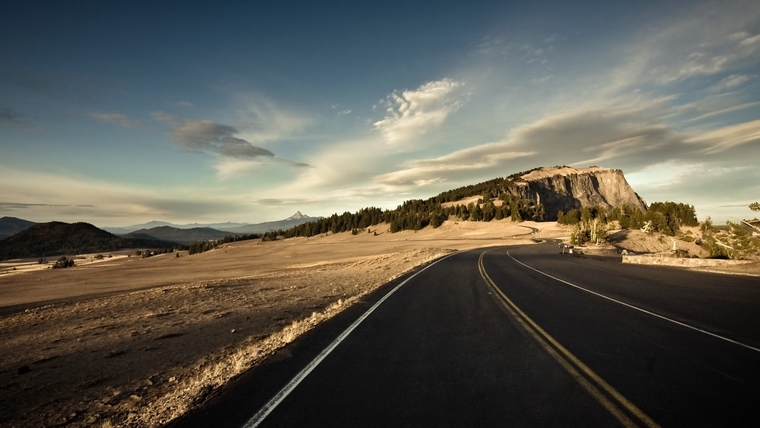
(565, 188)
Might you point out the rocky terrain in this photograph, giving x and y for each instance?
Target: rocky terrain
(566, 188)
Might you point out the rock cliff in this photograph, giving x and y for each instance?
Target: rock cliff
(565, 188)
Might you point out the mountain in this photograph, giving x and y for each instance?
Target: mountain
(10, 226)
(566, 188)
(292, 221)
(298, 216)
(57, 238)
(180, 236)
(154, 224)
(229, 228)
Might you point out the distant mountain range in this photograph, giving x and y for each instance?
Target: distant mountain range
(232, 228)
(56, 238)
(25, 239)
(180, 236)
(269, 226)
(155, 224)
(10, 226)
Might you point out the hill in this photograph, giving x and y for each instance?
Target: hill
(566, 188)
(10, 226)
(57, 238)
(558, 188)
(538, 194)
(180, 236)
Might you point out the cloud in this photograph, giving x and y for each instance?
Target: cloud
(728, 137)
(232, 168)
(730, 82)
(116, 118)
(211, 137)
(106, 203)
(492, 46)
(725, 110)
(205, 135)
(622, 135)
(714, 38)
(708, 106)
(261, 121)
(10, 206)
(410, 114)
(208, 136)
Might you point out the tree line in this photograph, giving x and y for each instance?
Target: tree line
(417, 214)
(663, 217)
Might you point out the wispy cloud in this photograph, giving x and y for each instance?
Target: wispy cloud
(591, 134)
(728, 137)
(105, 203)
(11, 206)
(228, 168)
(411, 113)
(724, 111)
(116, 118)
(261, 121)
(712, 39)
(730, 82)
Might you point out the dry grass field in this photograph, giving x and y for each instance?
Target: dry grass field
(136, 342)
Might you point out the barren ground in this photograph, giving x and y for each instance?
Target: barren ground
(137, 342)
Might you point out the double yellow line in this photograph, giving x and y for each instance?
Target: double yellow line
(623, 410)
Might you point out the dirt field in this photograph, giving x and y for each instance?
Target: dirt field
(137, 342)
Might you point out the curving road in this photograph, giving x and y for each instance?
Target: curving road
(519, 336)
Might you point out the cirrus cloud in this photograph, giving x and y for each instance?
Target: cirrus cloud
(628, 136)
(117, 118)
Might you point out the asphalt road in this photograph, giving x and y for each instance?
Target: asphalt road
(521, 336)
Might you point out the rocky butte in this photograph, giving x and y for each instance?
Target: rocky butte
(565, 188)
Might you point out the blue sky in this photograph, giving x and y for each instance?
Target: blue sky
(117, 113)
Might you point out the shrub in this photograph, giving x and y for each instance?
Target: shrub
(63, 262)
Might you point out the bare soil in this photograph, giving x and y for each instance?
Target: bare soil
(137, 342)
(638, 242)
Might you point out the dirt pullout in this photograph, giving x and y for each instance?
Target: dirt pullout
(170, 330)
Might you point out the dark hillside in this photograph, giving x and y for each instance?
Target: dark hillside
(57, 238)
(180, 236)
(10, 226)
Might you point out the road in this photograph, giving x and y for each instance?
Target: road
(521, 336)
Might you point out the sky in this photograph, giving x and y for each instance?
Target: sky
(119, 113)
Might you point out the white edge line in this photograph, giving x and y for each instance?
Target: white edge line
(638, 309)
(274, 401)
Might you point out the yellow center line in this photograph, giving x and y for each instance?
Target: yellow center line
(591, 382)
